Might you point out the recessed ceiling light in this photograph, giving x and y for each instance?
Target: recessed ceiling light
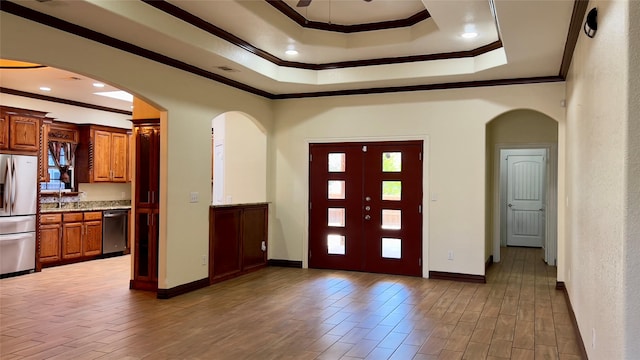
(291, 52)
(469, 35)
(44, 88)
(98, 85)
(120, 95)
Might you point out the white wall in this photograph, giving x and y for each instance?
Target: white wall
(632, 221)
(454, 123)
(104, 192)
(190, 101)
(597, 160)
(240, 175)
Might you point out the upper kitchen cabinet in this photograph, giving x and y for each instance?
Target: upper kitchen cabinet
(54, 132)
(20, 129)
(102, 154)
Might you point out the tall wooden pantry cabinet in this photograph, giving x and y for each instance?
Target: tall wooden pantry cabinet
(146, 138)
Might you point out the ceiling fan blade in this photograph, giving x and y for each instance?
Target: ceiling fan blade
(303, 3)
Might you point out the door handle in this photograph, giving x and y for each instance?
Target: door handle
(7, 185)
(541, 209)
(367, 217)
(368, 198)
(509, 205)
(13, 185)
(367, 208)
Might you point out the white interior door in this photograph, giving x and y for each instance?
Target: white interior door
(525, 200)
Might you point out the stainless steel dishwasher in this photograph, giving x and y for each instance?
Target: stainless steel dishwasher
(115, 227)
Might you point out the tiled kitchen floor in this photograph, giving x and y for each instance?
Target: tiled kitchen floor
(86, 311)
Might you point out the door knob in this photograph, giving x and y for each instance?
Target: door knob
(367, 217)
(368, 198)
(367, 208)
(509, 205)
(541, 209)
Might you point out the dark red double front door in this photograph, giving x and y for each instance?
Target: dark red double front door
(365, 210)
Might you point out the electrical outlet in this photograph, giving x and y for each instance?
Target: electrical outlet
(204, 259)
(193, 197)
(450, 255)
(122, 195)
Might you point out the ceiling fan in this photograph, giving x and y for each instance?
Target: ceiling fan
(305, 3)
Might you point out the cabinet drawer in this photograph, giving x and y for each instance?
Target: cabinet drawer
(50, 218)
(72, 217)
(94, 215)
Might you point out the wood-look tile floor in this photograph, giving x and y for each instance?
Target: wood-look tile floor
(86, 311)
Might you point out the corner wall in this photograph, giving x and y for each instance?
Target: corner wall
(597, 163)
(632, 228)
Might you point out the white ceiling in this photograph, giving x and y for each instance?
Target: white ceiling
(531, 47)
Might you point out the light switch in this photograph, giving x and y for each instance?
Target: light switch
(193, 197)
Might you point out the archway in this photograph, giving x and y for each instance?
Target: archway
(517, 130)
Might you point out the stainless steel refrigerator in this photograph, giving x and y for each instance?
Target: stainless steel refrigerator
(18, 206)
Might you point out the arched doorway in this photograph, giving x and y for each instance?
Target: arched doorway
(522, 133)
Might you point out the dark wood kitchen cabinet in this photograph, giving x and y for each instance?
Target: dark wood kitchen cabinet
(146, 137)
(102, 154)
(20, 129)
(237, 240)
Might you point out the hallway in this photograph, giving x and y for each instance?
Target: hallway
(86, 311)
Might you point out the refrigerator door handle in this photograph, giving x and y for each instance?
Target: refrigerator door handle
(7, 187)
(13, 185)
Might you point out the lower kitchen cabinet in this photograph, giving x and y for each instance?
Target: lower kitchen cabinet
(50, 238)
(92, 241)
(72, 231)
(237, 240)
(70, 237)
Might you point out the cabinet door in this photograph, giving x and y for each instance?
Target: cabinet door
(71, 240)
(227, 246)
(101, 156)
(147, 167)
(44, 153)
(143, 245)
(119, 157)
(4, 132)
(50, 235)
(92, 238)
(254, 235)
(24, 133)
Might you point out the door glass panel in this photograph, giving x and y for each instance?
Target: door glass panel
(391, 219)
(392, 190)
(337, 162)
(391, 248)
(336, 189)
(335, 244)
(336, 217)
(391, 161)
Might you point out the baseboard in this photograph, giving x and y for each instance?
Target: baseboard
(440, 275)
(488, 263)
(182, 289)
(583, 351)
(284, 263)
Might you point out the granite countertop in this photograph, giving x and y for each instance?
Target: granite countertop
(52, 207)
